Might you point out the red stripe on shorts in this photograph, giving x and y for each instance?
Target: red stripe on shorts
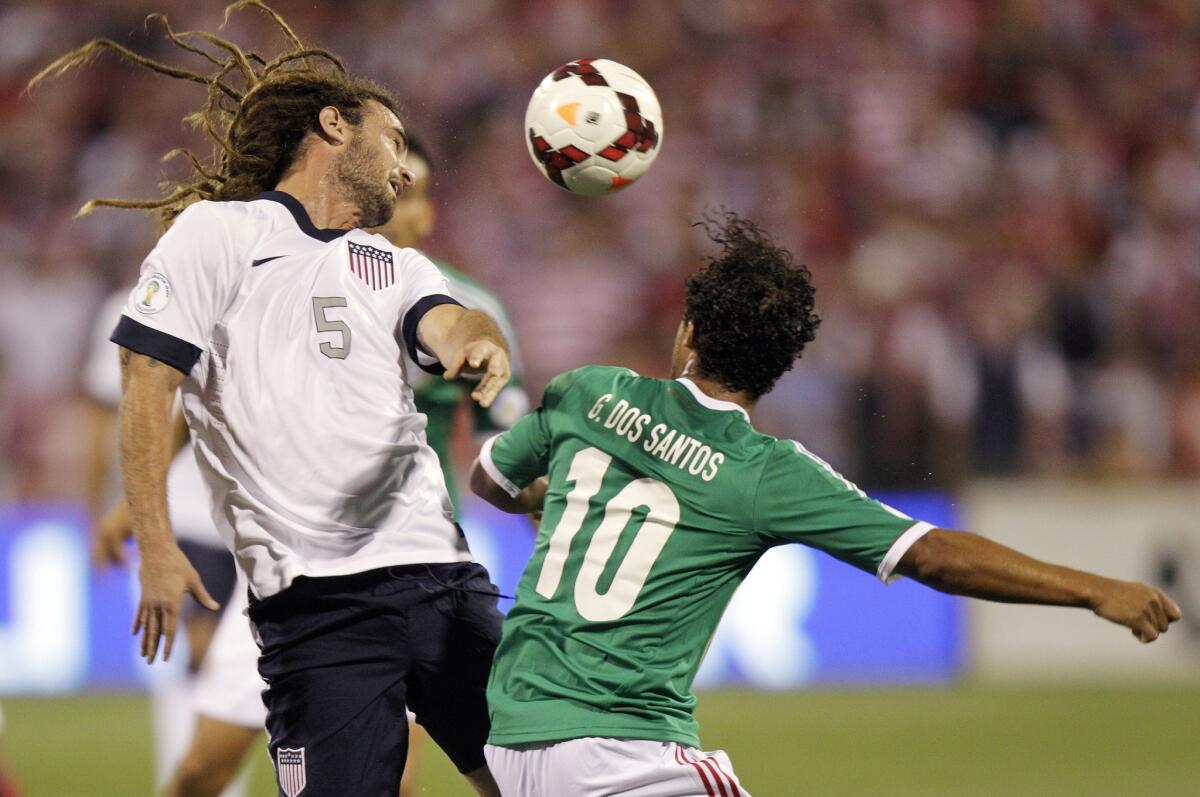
(712, 771)
(732, 783)
(716, 776)
(681, 759)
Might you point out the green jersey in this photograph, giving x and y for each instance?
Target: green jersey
(660, 501)
(440, 400)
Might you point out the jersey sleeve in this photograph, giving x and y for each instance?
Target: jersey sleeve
(424, 288)
(185, 284)
(802, 499)
(520, 455)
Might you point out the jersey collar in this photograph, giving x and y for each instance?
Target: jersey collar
(709, 401)
(301, 216)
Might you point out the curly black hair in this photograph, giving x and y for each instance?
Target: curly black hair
(751, 307)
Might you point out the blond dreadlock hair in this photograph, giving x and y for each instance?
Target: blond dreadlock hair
(257, 114)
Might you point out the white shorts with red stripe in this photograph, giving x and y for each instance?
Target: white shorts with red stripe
(598, 767)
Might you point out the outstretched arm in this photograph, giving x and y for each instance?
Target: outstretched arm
(468, 343)
(962, 563)
(147, 390)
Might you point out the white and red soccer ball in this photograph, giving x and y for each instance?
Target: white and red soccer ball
(593, 126)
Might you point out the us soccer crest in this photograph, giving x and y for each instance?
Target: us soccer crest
(289, 766)
(373, 266)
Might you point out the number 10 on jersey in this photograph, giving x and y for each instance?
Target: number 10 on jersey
(661, 515)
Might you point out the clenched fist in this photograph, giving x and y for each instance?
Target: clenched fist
(1143, 609)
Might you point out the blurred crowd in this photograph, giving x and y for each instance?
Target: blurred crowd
(999, 201)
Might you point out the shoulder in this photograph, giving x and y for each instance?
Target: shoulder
(207, 223)
(209, 212)
(361, 237)
(199, 217)
(406, 258)
(588, 380)
(791, 458)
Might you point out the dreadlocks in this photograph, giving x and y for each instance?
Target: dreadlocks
(257, 114)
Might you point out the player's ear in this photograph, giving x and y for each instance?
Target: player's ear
(689, 333)
(332, 126)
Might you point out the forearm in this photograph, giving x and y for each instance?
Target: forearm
(470, 325)
(526, 502)
(962, 563)
(146, 428)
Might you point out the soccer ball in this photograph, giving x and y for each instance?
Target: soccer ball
(594, 126)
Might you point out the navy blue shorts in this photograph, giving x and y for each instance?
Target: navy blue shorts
(216, 568)
(343, 656)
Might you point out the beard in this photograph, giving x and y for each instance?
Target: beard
(363, 179)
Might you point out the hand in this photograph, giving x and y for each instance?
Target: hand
(113, 532)
(1143, 609)
(166, 574)
(486, 357)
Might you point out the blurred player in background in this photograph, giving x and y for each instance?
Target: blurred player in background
(8, 781)
(229, 707)
(171, 697)
(283, 323)
(660, 498)
(171, 694)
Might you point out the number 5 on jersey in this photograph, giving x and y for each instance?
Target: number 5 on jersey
(326, 324)
(658, 521)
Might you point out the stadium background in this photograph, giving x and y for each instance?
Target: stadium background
(999, 204)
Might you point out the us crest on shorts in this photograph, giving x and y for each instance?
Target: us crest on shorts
(152, 293)
(289, 765)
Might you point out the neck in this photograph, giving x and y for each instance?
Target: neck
(322, 198)
(714, 389)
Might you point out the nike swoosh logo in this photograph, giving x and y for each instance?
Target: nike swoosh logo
(263, 261)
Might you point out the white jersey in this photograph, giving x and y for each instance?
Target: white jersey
(291, 339)
(191, 518)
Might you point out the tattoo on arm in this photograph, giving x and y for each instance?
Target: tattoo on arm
(127, 357)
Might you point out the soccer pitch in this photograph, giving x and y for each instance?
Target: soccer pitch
(977, 741)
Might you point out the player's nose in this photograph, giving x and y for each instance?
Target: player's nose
(407, 178)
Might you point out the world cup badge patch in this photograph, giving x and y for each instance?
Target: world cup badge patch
(152, 293)
(289, 766)
(373, 266)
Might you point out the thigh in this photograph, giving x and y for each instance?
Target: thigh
(334, 661)
(454, 640)
(364, 757)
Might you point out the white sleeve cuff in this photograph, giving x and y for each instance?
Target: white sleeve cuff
(489, 467)
(887, 567)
